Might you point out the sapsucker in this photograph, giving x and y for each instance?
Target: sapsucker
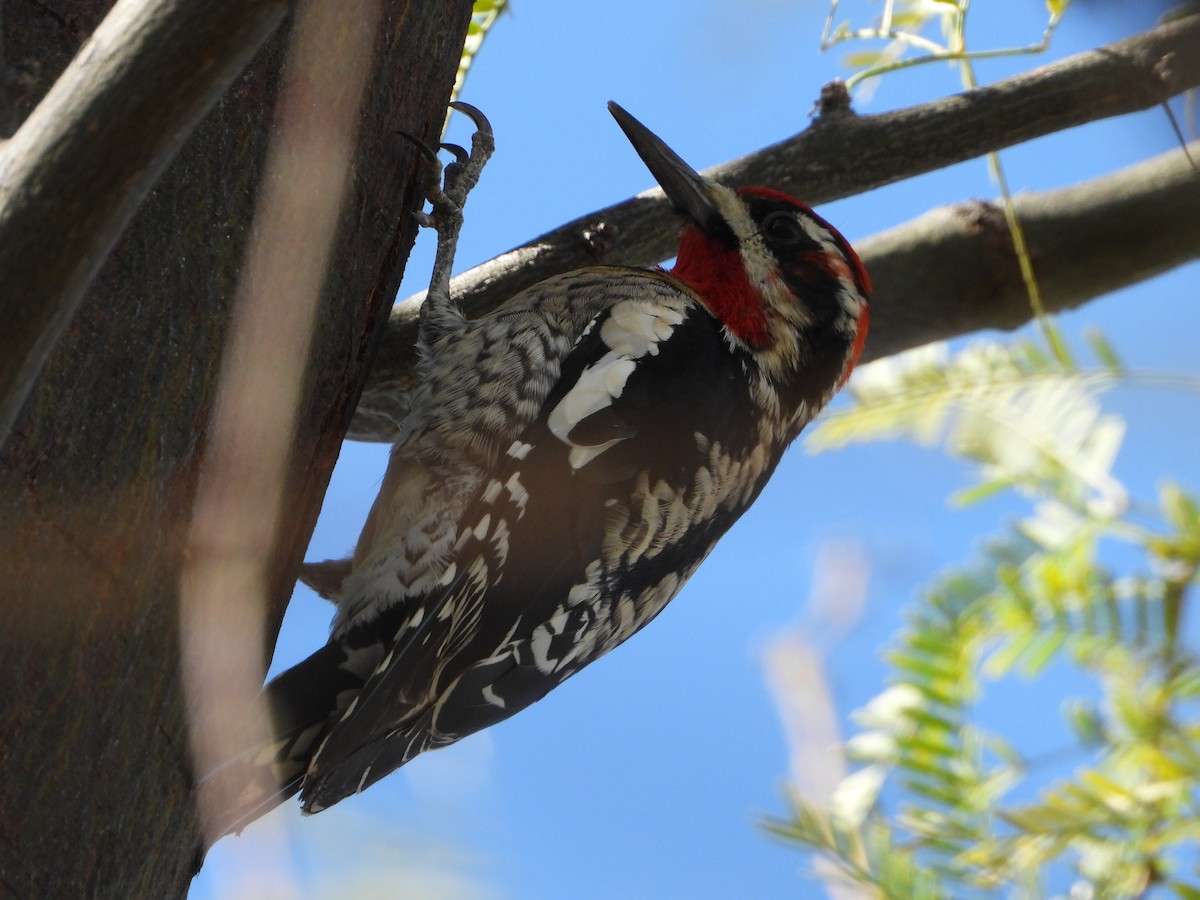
(568, 463)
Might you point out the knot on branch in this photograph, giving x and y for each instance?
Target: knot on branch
(833, 102)
(599, 238)
(1162, 70)
(982, 218)
(984, 221)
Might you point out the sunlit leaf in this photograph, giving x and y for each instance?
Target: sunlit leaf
(856, 796)
(864, 60)
(1085, 720)
(1057, 7)
(484, 14)
(1101, 347)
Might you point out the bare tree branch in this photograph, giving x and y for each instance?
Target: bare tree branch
(839, 155)
(74, 174)
(953, 271)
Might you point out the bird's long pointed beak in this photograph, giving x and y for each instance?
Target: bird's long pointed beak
(684, 186)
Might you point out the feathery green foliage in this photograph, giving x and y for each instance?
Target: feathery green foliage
(1040, 595)
(939, 806)
(484, 14)
(902, 24)
(1026, 418)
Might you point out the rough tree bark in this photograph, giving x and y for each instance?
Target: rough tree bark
(101, 137)
(98, 478)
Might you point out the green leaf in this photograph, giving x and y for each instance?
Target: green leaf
(981, 491)
(1086, 722)
(863, 60)
(1100, 346)
(484, 14)
(1001, 661)
(1057, 7)
(1179, 507)
(1041, 649)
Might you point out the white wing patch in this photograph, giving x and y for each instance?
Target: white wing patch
(633, 330)
(517, 492)
(519, 449)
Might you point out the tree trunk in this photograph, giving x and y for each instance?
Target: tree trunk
(98, 478)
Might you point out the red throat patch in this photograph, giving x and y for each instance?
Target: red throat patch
(860, 341)
(715, 271)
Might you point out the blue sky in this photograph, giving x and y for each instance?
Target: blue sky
(645, 775)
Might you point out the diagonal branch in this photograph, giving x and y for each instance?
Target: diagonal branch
(74, 174)
(841, 154)
(953, 271)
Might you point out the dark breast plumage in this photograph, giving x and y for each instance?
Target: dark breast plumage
(643, 453)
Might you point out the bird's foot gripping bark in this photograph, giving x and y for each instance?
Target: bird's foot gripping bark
(446, 190)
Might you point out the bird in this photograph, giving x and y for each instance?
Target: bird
(568, 462)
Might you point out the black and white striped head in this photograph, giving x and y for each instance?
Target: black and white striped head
(787, 286)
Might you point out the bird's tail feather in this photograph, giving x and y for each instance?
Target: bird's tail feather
(304, 702)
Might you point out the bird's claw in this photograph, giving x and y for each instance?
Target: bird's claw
(482, 125)
(457, 178)
(446, 189)
(463, 174)
(461, 156)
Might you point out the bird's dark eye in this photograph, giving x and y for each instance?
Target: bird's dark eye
(782, 228)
